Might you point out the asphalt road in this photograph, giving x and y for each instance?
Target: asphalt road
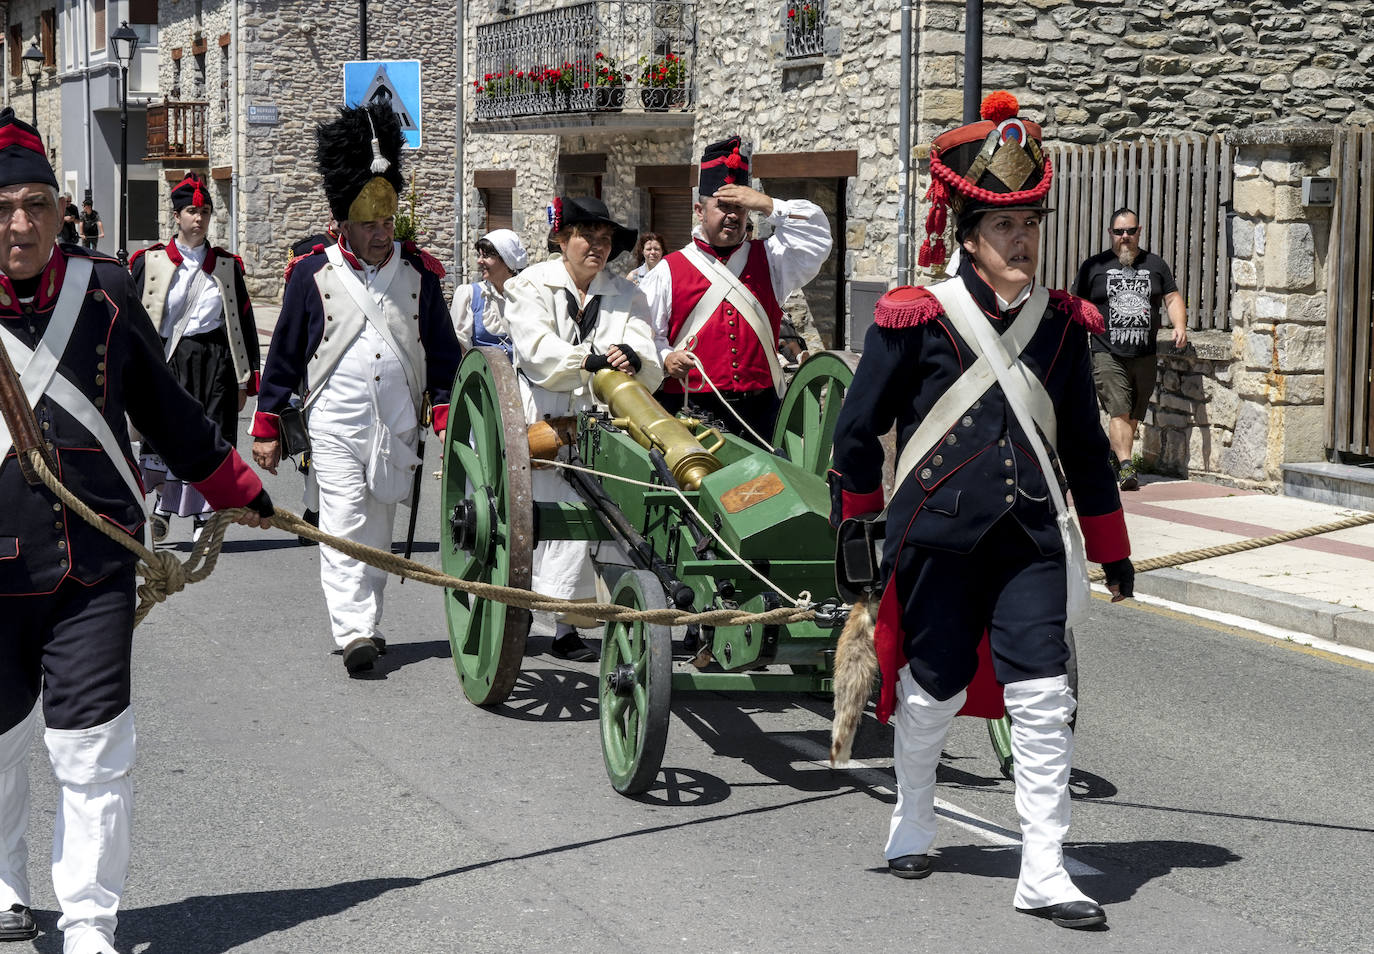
(1224, 799)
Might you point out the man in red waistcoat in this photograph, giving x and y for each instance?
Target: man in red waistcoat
(717, 303)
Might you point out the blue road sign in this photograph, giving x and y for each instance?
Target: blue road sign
(393, 83)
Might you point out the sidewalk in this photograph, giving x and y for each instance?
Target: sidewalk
(1321, 586)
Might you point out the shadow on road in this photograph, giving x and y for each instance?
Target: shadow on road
(552, 695)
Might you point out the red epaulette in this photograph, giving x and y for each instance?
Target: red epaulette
(906, 307)
(431, 263)
(286, 276)
(151, 248)
(1080, 310)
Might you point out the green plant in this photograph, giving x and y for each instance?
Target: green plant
(803, 16)
(605, 71)
(408, 219)
(666, 71)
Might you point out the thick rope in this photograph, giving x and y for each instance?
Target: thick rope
(164, 574)
(1240, 546)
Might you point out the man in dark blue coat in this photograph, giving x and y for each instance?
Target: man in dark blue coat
(87, 355)
(973, 544)
(364, 337)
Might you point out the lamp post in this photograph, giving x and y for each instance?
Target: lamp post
(125, 42)
(33, 68)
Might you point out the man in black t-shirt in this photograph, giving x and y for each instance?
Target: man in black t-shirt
(70, 216)
(1128, 285)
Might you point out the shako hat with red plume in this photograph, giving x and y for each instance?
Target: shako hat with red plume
(22, 156)
(997, 163)
(723, 163)
(190, 191)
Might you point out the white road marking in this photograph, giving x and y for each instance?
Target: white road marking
(874, 777)
(1257, 626)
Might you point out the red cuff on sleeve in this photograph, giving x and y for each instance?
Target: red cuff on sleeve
(1104, 537)
(440, 418)
(254, 381)
(855, 504)
(233, 484)
(266, 427)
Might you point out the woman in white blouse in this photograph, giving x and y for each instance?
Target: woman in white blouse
(569, 318)
(478, 309)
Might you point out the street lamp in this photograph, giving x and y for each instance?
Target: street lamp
(33, 68)
(125, 42)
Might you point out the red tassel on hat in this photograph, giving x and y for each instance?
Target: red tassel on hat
(933, 248)
(198, 199)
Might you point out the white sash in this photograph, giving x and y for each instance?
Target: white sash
(973, 383)
(39, 375)
(1030, 403)
(726, 286)
(371, 311)
(182, 320)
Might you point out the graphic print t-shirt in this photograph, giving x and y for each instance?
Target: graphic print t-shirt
(1129, 298)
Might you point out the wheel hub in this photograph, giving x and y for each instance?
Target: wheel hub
(621, 680)
(463, 525)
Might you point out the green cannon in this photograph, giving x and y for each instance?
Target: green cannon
(724, 526)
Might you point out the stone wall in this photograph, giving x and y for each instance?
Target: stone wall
(19, 92)
(1239, 405)
(296, 64)
(1095, 71)
(845, 100)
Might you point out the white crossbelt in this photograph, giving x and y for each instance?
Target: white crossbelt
(726, 286)
(371, 310)
(1032, 406)
(975, 381)
(183, 320)
(39, 373)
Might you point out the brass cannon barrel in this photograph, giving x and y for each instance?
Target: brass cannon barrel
(650, 424)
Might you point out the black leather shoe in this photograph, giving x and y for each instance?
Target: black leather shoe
(380, 643)
(359, 655)
(1071, 914)
(909, 866)
(17, 924)
(570, 646)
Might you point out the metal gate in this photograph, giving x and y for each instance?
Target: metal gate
(1350, 299)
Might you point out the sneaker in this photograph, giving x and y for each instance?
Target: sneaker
(197, 528)
(1130, 480)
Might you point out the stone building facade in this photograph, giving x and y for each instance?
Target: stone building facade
(289, 68)
(30, 22)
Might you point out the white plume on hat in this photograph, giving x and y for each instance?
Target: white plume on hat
(509, 247)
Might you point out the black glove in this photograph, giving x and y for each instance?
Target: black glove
(595, 362)
(262, 505)
(1121, 573)
(630, 356)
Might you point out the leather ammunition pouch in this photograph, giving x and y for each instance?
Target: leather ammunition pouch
(858, 555)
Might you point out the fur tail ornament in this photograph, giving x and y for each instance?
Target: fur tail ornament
(856, 668)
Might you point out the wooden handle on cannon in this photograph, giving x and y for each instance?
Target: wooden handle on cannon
(23, 427)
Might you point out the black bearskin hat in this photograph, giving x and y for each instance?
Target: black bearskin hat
(359, 155)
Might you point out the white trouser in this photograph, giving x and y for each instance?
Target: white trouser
(921, 723)
(1042, 748)
(352, 589)
(14, 812)
(91, 840)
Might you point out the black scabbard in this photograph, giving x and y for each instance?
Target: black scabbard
(415, 498)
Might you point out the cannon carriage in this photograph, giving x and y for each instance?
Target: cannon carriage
(698, 521)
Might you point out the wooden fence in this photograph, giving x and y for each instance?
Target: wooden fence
(1350, 308)
(1181, 188)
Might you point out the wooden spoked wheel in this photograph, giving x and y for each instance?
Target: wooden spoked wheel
(487, 519)
(636, 684)
(806, 421)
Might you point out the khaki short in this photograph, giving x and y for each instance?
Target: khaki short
(1124, 385)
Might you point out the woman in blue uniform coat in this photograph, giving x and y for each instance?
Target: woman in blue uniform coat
(974, 549)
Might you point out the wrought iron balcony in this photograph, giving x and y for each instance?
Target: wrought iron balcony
(176, 131)
(603, 62)
(804, 28)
